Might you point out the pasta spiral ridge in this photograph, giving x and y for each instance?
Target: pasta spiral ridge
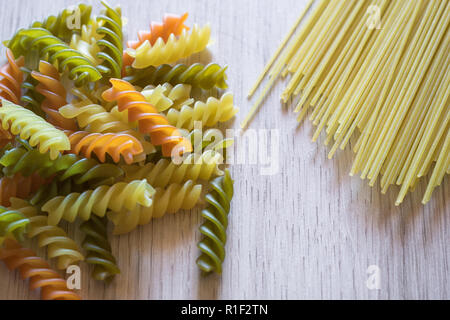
(86, 42)
(94, 118)
(197, 75)
(174, 49)
(69, 166)
(165, 172)
(208, 113)
(31, 99)
(58, 244)
(149, 120)
(214, 228)
(13, 223)
(54, 189)
(18, 186)
(113, 144)
(117, 197)
(167, 96)
(55, 94)
(111, 42)
(80, 68)
(172, 199)
(172, 24)
(59, 25)
(98, 248)
(30, 266)
(30, 126)
(11, 78)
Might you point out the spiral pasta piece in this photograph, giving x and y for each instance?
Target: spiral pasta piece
(31, 99)
(63, 25)
(86, 42)
(197, 75)
(115, 145)
(117, 197)
(80, 68)
(37, 270)
(58, 244)
(54, 189)
(172, 24)
(171, 51)
(169, 200)
(111, 42)
(207, 114)
(167, 96)
(165, 172)
(13, 223)
(25, 123)
(55, 94)
(18, 186)
(11, 78)
(214, 228)
(98, 248)
(70, 166)
(95, 118)
(149, 120)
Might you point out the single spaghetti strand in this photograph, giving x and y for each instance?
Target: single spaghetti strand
(279, 49)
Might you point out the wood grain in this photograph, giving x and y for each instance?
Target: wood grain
(308, 232)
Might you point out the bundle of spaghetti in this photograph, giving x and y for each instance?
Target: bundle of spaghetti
(116, 145)
(11, 78)
(51, 88)
(148, 118)
(167, 200)
(172, 50)
(349, 67)
(172, 24)
(19, 186)
(58, 243)
(118, 197)
(37, 270)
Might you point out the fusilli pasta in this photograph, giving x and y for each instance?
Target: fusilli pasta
(18, 186)
(25, 123)
(197, 75)
(207, 113)
(167, 96)
(169, 200)
(113, 144)
(99, 250)
(37, 270)
(58, 244)
(51, 88)
(12, 223)
(11, 78)
(214, 228)
(171, 51)
(117, 197)
(111, 43)
(150, 121)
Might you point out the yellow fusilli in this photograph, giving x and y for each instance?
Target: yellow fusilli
(174, 49)
(208, 114)
(58, 244)
(167, 96)
(29, 126)
(170, 200)
(117, 197)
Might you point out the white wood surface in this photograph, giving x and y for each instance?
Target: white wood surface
(308, 232)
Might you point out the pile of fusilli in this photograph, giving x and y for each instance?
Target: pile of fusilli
(101, 133)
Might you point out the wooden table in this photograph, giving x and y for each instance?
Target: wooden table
(309, 231)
